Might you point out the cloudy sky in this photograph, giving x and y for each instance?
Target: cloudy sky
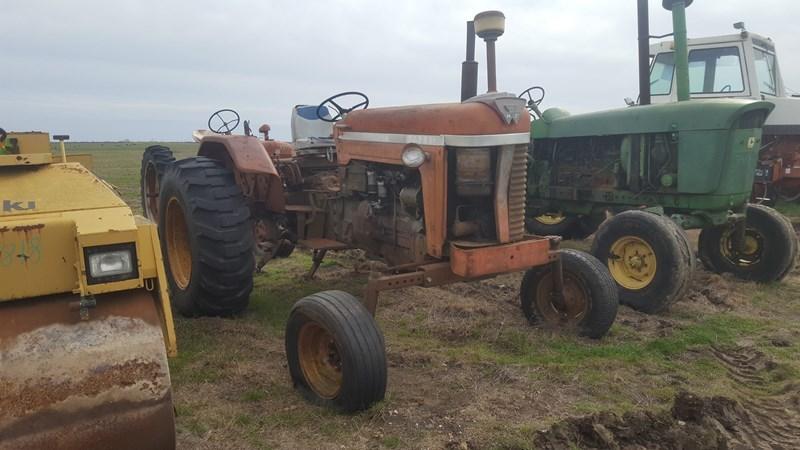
(144, 69)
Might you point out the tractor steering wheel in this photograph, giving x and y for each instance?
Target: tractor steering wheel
(341, 112)
(726, 88)
(533, 101)
(225, 117)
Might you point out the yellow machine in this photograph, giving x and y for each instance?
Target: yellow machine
(85, 322)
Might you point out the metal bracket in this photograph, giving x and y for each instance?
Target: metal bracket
(83, 306)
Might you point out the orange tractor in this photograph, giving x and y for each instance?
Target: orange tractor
(435, 191)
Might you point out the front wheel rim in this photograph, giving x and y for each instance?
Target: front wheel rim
(320, 360)
(632, 263)
(574, 306)
(179, 250)
(750, 255)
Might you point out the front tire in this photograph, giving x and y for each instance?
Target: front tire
(770, 252)
(590, 296)
(206, 238)
(649, 258)
(336, 352)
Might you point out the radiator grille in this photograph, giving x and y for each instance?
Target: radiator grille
(516, 193)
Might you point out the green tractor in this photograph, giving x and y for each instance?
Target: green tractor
(690, 161)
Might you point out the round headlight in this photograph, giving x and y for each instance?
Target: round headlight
(413, 157)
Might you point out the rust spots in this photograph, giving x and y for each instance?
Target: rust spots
(25, 228)
(35, 395)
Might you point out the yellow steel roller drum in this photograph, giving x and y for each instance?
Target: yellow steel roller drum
(86, 324)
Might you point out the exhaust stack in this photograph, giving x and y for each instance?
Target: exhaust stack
(678, 8)
(644, 52)
(469, 68)
(490, 25)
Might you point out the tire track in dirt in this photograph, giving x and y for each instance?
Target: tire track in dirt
(761, 413)
(763, 419)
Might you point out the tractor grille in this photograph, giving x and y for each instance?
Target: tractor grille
(516, 193)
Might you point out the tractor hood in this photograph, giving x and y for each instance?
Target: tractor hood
(482, 115)
(717, 114)
(53, 188)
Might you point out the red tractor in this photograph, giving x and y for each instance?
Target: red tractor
(435, 191)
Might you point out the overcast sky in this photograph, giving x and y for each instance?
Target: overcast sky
(155, 70)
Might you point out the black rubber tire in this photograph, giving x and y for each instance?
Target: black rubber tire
(159, 158)
(220, 237)
(563, 228)
(673, 257)
(360, 346)
(603, 297)
(778, 255)
(585, 226)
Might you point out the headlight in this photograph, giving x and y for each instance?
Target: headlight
(413, 157)
(109, 263)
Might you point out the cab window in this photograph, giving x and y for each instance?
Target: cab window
(765, 70)
(715, 71)
(661, 74)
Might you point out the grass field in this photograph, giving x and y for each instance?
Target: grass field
(465, 368)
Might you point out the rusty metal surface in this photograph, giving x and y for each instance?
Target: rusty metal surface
(245, 152)
(96, 384)
(278, 149)
(516, 193)
(495, 259)
(438, 119)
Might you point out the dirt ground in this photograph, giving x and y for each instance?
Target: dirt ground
(466, 371)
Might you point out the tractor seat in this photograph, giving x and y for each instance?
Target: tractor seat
(310, 134)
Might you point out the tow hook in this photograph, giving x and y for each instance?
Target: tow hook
(83, 306)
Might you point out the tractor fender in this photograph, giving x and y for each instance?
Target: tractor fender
(244, 154)
(253, 168)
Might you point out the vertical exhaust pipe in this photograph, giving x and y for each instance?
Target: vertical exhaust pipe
(678, 8)
(469, 68)
(644, 52)
(490, 25)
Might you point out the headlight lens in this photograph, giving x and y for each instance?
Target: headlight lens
(111, 263)
(413, 157)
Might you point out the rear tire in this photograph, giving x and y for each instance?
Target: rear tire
(155, 162)
(206, 238)
(648, 257)
(771, 247)
(591, 299)
(335, 351)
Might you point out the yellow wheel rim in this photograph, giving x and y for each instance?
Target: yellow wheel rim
(751, 253)
(632, 263)
(550, 218)
(320, 360)
(179, 249)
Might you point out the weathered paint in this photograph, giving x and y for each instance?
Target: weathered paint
(81, 384)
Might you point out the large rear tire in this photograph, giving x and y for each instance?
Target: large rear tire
(155, 161)
(336, 352)
(590, 296)
(207, 238)
(770, 252)
(648, 256)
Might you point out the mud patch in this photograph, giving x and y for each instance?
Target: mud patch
(715, 292)
(765, 414)
(692, 422)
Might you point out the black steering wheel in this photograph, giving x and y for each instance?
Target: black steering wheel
(225, 117)
(341, 111)
(726, 88)
(532, 101)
